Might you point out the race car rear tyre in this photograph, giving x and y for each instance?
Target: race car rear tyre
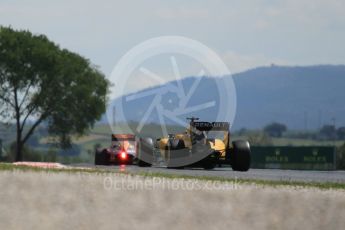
(145, 153)
(100, 158)
(143, 164)
(240, 156)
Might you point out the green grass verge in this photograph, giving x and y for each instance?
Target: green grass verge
(271, 183)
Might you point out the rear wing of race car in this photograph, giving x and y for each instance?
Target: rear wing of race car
(126, 141)
(212, 126)
(122, 137)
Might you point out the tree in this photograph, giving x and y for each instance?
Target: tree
(40, 82)
(259, 139)
(328, 132)
(275, 129)
(341, 133)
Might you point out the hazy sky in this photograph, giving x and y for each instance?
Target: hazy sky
(245, 34)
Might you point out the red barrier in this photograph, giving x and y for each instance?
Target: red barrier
(40, 164)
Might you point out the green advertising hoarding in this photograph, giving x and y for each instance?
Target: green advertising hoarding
(0, 149)
(287, 157)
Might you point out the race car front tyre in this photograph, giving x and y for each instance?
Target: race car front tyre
(210, 162)
(208, 165)
(145, 154)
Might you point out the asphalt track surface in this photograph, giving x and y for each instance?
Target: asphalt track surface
(258, 174)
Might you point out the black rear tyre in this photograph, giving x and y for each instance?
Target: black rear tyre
(101, 158)
(240, 157)
(143, 164)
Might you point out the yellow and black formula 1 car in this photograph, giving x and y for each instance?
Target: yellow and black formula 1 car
(204, 144)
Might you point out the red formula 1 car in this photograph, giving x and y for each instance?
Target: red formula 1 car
(122, 151)
(126, 149)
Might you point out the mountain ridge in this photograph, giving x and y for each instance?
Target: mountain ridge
(302, 97)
